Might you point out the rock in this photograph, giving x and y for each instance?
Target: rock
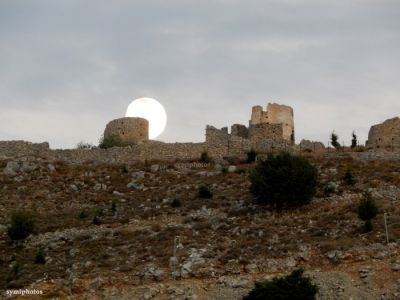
(152, 272)
(332, 186)
(51, 167)
(232, 169)
(119, 194)
(74, 187)
(11, 168)
(138, 175)
(73, 252)
(396, 267)
(3, 229)
(217, 167)
(194, 258)
(100, 186)
(251, 268)
(28, 166)
(234, 283)
(134, 185)
(154, 168)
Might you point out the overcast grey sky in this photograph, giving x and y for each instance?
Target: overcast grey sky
(67, 67)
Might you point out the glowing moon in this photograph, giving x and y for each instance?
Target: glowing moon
(151, 110)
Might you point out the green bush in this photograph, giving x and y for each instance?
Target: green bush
(283, 181)
(251, 156)
(176, 203)
(82, 214)
(204, 191)
(40, 257)
(112, 141)
(367, 210)
(204, 158)
(291, 287)
(96, 220)
(114, 206)
(349, 178)
(21, 226)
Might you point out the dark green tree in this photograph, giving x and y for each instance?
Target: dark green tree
(334, 140)
(367, 210)
(353, 140)
(21, 225)
(204, 191)
(291, 287)
(251, 156)
(283, 181)
(204, 158)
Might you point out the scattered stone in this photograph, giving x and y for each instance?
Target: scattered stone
(51, 167)
(11, 168)
(100, 186)
(233, 282)
(232, 169)
(134, 185)
(251, 268)
(154, 168)
(138, 175)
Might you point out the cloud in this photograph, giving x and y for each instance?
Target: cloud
(336, 63)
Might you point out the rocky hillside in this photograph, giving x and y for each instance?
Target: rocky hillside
(142, 232)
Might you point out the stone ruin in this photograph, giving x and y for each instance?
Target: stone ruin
(385, 136)
(130, 130)
(268, 130)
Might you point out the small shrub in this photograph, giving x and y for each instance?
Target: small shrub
(83, 215)
(251, 156)
(176, 203)
(85, 146)
(114, 205)
(349, 178)
(40, 257)
(96, 220)
(284, 180)
(204, 191)
(291, 287)
(367, 210)
(112, 141)
(204, 158)
(21, 226)
(224, 170)
(329, 189)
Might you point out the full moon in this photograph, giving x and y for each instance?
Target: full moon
(151, 110)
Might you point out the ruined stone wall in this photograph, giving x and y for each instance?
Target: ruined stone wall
(311, 146)
(131, 130)
(385, 136)
(240, 131)
(219, 143)
(267, 137)
(275, 114)
(22, 148)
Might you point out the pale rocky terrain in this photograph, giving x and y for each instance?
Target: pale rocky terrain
(224, 245)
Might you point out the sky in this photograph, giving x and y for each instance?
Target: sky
(68, 67)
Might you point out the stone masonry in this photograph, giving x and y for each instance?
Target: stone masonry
(275, 114)
(130, 130)
(265, 133)
(385, 136)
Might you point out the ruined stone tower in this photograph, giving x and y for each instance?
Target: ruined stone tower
(385, 136)
(275, 114)
(130, 130)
